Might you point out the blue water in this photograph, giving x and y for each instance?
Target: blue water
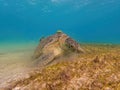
(95, 21)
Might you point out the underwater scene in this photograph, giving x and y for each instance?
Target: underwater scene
(59, 44)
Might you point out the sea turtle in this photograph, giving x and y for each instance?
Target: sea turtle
(53, 46)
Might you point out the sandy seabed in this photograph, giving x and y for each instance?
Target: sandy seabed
(98, 67)
(14, 65)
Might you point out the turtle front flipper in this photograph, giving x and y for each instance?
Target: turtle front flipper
(44, 59)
